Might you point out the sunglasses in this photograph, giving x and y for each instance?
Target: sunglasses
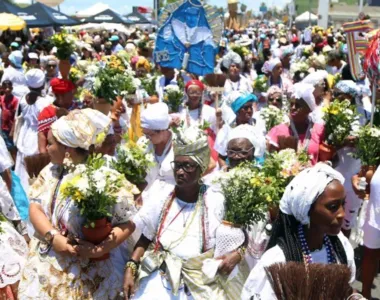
(275, 99)
(186, 166)
(239, 154)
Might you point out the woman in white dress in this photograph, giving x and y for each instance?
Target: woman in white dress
(241, 106)
(155, 122)
(232, 64)
(307, 229)
(180, 226)
(347, 164)
(58, 267)
(13, 247)
(195, 113)
(29, 108)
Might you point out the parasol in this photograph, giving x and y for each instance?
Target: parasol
(11, 22)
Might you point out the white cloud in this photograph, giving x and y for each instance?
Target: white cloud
(68, 10)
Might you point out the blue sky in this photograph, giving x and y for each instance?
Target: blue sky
(125, 6)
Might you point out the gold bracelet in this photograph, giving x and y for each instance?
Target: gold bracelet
(131, 265)
(241, 251)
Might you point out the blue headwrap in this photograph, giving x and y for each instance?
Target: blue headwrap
(348, 87)
(239, 102)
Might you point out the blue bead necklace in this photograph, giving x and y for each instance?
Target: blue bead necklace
(306, 251)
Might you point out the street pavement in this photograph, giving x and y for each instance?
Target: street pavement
(358, 284)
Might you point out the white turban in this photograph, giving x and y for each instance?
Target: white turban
(272, 63)
(81, 128)
(316, 78)
(156, 117)
(231, 58)
(252, 134)
(35, 78)
(305, 92)
(305, 189)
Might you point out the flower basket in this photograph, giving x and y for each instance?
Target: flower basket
(326, 152)
(102, 228)
(64, 68)
(102, 105)
(229, 237)
(367, 172)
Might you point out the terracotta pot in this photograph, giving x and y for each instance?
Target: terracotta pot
(98, 234)
(64, 68)
(102, 105)
(326, 152)
(116, 106)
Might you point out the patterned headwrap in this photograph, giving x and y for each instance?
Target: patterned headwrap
(231, 58)
(192, 141)
(348, 87)
(274, 89)
(81, 128)
(305, 189)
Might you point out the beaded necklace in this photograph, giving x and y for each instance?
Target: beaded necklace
(200, 115)
(307, 253)
(165, 211)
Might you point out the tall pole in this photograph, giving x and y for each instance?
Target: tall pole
(361, 6)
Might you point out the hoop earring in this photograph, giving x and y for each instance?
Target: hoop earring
(200, 181)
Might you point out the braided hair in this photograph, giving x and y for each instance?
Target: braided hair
(285, 235)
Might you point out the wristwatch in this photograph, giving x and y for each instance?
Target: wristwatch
(49, 236)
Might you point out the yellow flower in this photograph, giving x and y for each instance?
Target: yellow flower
(63, 187)
(255, 182)
(269, 199)
(78, 196)
(100, 138)
(334, 111)
(325, 109)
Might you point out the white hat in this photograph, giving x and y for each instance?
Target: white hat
(156, 117)
(35, 78)
(33, 55)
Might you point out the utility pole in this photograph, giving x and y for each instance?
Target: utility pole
(361, 6)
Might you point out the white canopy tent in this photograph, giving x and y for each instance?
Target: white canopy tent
(92, 10)
(304, 17)
(104, 26)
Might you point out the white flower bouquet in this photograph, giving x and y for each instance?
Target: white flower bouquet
(93, 187)
(272, 116)
(173, 97)
(134, 159)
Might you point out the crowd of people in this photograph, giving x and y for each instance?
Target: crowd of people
(164, 231)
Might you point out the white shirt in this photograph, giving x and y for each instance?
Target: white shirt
(258, 285)
(208, 115)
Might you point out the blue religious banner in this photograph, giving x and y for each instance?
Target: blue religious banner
(188, 37)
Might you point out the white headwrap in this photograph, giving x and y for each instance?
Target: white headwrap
(231, 58)
(35, 78)
(305, 92)
(316, 77)
(156, 117)
(81, 128)
(272, 63)
(305, 189)
(251, 133)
